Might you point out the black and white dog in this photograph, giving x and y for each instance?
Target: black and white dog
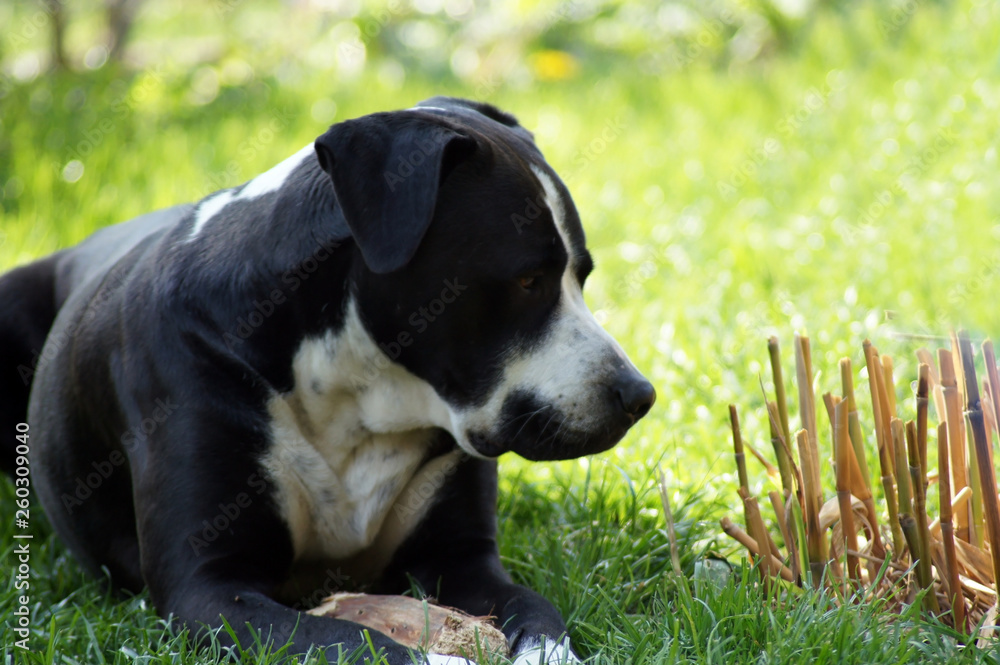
(317, 370)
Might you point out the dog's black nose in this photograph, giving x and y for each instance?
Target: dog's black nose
(635, 394)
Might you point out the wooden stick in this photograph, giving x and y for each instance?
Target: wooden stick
(885, 456)
(842, 451)
(780, 445)
(955, 596)
(921, 546)
(989, 482)
(786, 535)
(858, 444)
(771, 469)
(774, 351)
(762, 533)
(934, 383)
(977, 526)
(816, 547)
(741, 536)
(807, 400)
(956, 436)
(993, 377)
(890, 384)
(741, 462)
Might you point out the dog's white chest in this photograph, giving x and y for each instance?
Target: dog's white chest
(338, 486)
(348, 443)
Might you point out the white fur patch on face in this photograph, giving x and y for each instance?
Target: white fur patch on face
(348, 443)
(569, 370)
(546, 654)
(266, 182)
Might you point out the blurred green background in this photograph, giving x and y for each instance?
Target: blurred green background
(743, 168)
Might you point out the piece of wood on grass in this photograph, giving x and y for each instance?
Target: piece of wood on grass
(417, 624)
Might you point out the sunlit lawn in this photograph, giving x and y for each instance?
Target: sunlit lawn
(847, 190)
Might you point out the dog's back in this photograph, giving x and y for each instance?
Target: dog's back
(30, 299)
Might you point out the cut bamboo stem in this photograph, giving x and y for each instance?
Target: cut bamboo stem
(993, 377)
(934, 383)
(858, 444)
(890, 384)
(763, 533)
(774, 351)
(842, 453)
(956, 436)
(921, 548)
(885, 456)
(772, 470)
(989, 482)
(741, 462)
(742, 537)
(816, 547)
(955, 595)
(780, 445)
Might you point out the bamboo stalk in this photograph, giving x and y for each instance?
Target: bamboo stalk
(890, 384)
(816, 547)
(993, 377)
(807, 398)
(921, 546)
(763, 533)
(858, 444)
(743, 538)
(786, 535)
(741, 462)
(923, 386)
(956, 436)
(780, 445)
(842, 451)
(989, 482)
(884, 449)
(991, 423)
(955, 596)
(772, 470)
(977, 527)
(774, 351)
(934, 383)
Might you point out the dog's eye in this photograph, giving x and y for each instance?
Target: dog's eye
(527, 282)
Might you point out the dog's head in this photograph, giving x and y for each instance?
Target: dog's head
(474, 260)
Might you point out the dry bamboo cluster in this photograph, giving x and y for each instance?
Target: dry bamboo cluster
(844, 540)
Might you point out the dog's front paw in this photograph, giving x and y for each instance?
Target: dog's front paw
(558, 653)
(438, 659)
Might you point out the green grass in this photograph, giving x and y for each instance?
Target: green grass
(723, 204)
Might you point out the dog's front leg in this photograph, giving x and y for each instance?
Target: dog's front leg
(454, 556)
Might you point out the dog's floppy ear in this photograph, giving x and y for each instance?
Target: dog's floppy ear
(386, 170)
